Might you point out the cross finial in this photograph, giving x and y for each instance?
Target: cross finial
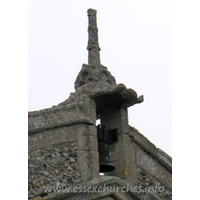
(93, 45)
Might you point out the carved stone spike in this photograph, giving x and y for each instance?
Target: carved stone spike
(93, 45)
(94, 71)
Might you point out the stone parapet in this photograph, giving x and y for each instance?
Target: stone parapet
(59, 116)
(159, 155)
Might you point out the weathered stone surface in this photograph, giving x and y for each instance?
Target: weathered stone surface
(164, 158)
(130, 172)
(50, 137)
(151, 159)
(93, 90)
(154, 168)
(62, 155)
(150, 148)
(116, 119)
(83, 141)
(61, 116)
(52, 166)
(87, 151)
(93, 74)
(93, 45)
(84, 163)
(146, 162)
(36, 141)
(60, 135)
(151, 183)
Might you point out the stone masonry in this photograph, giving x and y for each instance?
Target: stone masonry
(63, 141)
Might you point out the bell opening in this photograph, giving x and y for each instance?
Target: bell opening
(105, 165)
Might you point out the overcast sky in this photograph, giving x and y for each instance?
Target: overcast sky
(135, 38)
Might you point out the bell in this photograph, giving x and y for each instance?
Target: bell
(105, 164)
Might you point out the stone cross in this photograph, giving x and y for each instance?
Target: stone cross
(93, 45)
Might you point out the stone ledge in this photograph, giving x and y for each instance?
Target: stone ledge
(93, 90)
(59, 116)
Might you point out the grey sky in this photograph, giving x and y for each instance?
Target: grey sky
(136, 46)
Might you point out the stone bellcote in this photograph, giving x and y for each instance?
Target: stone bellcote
(64, 142)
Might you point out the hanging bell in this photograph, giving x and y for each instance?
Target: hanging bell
(105, 165)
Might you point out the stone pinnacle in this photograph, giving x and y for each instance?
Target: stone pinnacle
(93, 45)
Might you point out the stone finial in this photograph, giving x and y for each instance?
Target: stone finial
(93, 45)
(95, 75)
(94, 71)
